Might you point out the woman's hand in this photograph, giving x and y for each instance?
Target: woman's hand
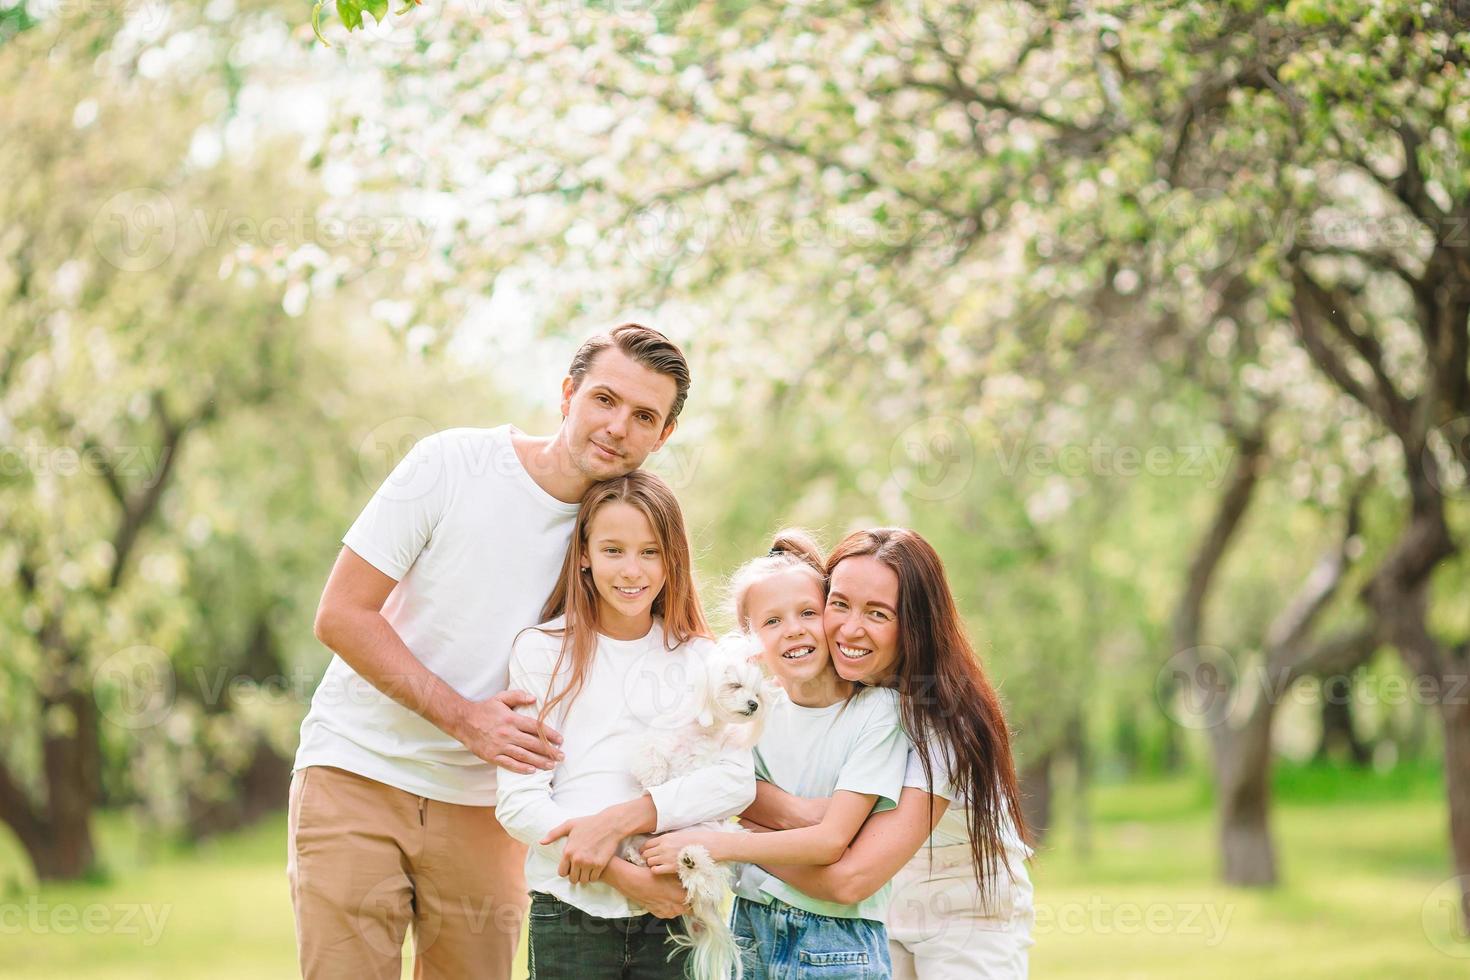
(662, 852)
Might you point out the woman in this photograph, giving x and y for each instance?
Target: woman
(961, 904)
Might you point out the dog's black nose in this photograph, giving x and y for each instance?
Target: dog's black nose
(753, 705)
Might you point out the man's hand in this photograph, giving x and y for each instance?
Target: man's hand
(591, 841)
(495, 732)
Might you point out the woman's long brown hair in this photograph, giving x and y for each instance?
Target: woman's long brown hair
(946, 699)
(677, 603)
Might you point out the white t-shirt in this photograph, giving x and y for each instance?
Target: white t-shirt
(952, 827)
(476, 546)
(856, 745)
(633, 687)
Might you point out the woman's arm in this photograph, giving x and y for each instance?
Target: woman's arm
(883, 846)
(820, 844)
(779, 810)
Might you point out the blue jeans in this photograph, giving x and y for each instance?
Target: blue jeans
(782, 942)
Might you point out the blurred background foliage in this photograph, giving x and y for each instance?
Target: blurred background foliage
(1152, 316)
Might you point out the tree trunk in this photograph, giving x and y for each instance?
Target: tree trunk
(71, 760)
(1081, 778)
(1036, 795)
(1243, 773)
(1455, 711)
(1338, 737)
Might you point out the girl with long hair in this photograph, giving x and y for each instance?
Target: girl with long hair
(624, 638)
(955, 846)
(826, 737)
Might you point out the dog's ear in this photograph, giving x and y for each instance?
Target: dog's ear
(707, 684)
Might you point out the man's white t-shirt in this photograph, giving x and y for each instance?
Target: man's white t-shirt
(476, 546)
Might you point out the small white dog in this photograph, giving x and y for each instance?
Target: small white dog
(735, 696)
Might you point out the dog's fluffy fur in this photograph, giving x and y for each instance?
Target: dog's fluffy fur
(735, 697)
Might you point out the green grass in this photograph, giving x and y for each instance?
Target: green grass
(1361, 857)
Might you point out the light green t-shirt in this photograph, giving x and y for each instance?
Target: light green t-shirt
(856, 745)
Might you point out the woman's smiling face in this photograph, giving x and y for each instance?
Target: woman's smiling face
(861, 619)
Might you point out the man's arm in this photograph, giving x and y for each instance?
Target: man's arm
(349, 620)
(883, 846)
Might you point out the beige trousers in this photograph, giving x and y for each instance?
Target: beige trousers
(939, 929)
(367, 862)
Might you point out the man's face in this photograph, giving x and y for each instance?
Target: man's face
(616, 416)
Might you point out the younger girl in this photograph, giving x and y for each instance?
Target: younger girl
(827, 737)
(624, 637)
(962, 905)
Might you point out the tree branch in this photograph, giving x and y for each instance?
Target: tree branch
(1244, 476)
(1311, 306)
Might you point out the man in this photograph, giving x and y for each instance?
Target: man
(391, 816)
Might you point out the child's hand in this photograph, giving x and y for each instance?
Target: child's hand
(662, 853)
(591, 842)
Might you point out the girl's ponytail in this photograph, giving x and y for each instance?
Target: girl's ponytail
(791, 548)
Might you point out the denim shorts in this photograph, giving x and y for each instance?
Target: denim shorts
(781, 942)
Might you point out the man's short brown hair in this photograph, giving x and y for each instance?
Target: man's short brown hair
(646, 346)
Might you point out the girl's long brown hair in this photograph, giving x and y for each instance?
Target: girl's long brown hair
(946, 696)
(677, 603)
